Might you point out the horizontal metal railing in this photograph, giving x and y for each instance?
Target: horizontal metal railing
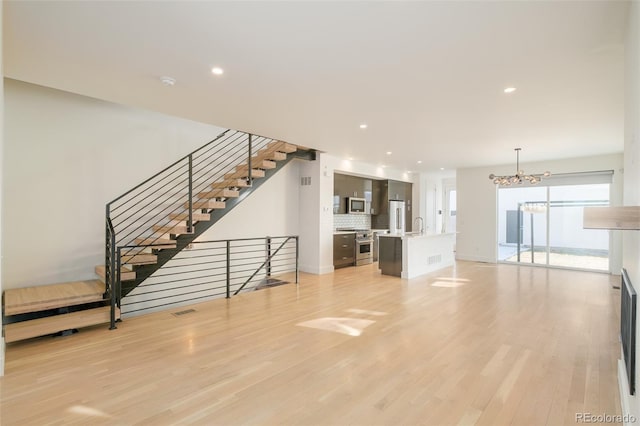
(137, 214)
(210, 269)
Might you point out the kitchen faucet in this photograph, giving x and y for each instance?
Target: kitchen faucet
(421, 228)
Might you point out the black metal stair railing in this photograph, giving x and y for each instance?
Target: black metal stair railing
(210, 269)
(138, 220)
(133, 215)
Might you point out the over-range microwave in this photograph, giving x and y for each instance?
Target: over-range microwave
(357, 205)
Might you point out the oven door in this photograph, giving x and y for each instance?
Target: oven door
(364, 252)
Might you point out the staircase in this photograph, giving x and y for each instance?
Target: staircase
(147, 226)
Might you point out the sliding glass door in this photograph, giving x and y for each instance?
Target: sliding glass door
(542, 225)
(522, 219)
(570, 245)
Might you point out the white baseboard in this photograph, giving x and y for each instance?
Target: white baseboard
(316, 270)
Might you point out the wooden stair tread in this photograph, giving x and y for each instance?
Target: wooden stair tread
(125, 273)
(196, 217)
(281, 147)
(258, 164)
(230, 183)
(272, 156)
(220, 193)
(139, 259)
(43, 326)
(172, 229)
(157, 243)
(209, 204)
(135, 250)
(34, 299)
(240, 174)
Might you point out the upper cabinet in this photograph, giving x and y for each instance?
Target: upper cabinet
(376, 192)
(345, 186)
(397, 190)
(393, 190)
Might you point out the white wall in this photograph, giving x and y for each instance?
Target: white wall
(430, 193)
(314, 220)
(477, 203)
(66, 156)
(631, 239)
(272, 210)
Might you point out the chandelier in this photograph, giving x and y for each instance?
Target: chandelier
(519, 177)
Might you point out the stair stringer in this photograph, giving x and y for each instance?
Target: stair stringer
(182, 241)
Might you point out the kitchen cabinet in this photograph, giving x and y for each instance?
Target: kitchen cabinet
(390, 257)
(345, 186)
(340, 183)
(376, 196)
(344, 250)
(393, 190)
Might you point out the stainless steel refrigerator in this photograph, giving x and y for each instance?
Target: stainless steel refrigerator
(396, 216)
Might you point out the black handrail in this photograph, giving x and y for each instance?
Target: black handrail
(169, 196)
(109, 281)
(157, 198)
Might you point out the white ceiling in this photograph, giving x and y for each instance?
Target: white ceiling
(427, 77)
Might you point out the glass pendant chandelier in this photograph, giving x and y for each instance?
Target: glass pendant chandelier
(519, 177)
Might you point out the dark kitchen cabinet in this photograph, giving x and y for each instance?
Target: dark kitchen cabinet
(390, 256)
(344, 250)
(393, 190)
(340, 183)
(396, 190)
(376, 196)
(345, 186)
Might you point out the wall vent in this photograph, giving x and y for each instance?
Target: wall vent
(305, 181)
(436, 258)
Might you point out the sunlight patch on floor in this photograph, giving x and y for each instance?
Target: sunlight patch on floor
(366, 312)
(348, 326)
(448, 284)
(87, 411)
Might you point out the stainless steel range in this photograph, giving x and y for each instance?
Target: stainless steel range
(364, 247)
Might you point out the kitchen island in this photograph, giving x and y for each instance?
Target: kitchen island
(409, 255)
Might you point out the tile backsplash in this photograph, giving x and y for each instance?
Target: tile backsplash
(355, 221)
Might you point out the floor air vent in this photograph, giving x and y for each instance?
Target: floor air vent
(270, 282)
(187, 311)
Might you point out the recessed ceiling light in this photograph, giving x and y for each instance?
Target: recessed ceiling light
(168, 81)
(509, 90)
(217, 71)
(363, 126)
(350, 158)
(383, 166)
(441, 168)
(389, 152)
(419, 161)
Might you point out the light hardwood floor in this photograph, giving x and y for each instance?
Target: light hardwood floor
(474, 344)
